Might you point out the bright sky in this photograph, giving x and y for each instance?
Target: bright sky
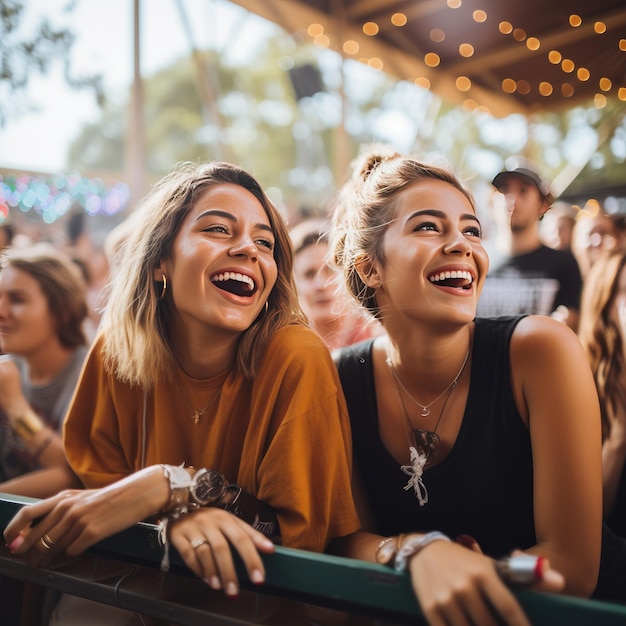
(38, 140)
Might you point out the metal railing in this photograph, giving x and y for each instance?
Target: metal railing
(123, 571)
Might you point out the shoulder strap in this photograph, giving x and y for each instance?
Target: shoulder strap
(354, 364)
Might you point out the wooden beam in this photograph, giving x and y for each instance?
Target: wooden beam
(518, 51)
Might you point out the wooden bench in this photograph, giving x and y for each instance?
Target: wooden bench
(301, 586)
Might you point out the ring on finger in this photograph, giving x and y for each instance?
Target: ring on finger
(199, 541)
(46, 542)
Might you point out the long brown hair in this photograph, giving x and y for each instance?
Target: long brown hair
(135, 323)
(600, 332)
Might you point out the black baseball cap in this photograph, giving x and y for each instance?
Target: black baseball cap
(526, 173)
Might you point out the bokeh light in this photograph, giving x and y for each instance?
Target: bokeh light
(53, 196)
(466, 50)
(509, 85)
(437, 35)
(315, 30)
(399, 19)
(599, 28)
(554, 56)
(533, 43)
(432, 59)
(350, 46)
(463, 83)
(575, 20)
(605, 84)
(370, 28)
(479, 16)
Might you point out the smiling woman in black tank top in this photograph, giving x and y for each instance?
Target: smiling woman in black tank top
(485, 432)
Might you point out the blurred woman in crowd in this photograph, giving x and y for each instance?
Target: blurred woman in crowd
(603, 335)
(594, 234)
(321, 292)
(42, 310)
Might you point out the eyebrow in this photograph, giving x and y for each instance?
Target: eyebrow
(441, 215)
(232, 218)
(16, 291)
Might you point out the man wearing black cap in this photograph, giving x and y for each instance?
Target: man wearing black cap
(531, 278)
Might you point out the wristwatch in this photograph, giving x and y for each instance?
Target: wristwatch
(207, 487)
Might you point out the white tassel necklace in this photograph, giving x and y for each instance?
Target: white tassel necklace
(423, 444)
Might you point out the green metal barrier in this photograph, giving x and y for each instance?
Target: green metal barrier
(123, 570)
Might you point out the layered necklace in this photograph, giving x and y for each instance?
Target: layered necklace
(423, 444)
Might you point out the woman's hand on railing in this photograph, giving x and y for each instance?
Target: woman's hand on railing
(204, 538)
(456, 586)
(76, 519)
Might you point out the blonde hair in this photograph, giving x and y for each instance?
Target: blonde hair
(600, 333)
(136, 346)
(367, 205)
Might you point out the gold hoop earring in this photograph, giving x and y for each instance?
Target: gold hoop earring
(164, 288)
(263, 311)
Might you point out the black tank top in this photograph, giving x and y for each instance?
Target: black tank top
(484, 487)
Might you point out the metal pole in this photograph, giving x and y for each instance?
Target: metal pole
(135, 165)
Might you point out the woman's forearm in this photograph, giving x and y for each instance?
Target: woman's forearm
(360, 545)
(42, 483)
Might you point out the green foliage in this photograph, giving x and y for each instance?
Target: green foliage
(21, 56)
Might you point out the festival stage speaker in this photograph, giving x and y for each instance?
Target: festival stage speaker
(306, 80)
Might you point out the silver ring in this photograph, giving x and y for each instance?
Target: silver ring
(196, 543)
(46, 542)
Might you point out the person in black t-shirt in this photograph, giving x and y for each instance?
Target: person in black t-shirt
(531, 277)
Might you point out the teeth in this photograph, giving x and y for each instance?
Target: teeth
(242, 278)
(451, 274)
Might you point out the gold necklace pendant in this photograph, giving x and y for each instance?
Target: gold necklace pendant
(198, 414)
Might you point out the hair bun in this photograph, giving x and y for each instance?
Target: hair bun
(371, 158)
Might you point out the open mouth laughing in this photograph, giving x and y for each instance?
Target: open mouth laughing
(235, 283)
(459, 279)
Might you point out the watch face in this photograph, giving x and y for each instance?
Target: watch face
(207, 487)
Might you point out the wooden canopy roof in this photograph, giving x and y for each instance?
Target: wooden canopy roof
(504, 55)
